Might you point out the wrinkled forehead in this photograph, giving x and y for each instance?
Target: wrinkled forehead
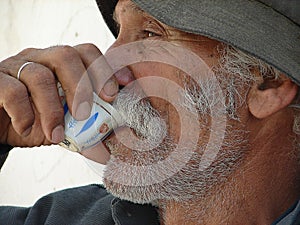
(126, 5)
(130, 4)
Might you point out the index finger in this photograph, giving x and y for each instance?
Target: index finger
(67, 65)
(100, 73)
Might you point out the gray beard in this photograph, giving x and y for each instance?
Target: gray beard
(186, 184)
(140, 176)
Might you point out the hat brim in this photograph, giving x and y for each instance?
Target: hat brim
(248, 25)
(107, 8)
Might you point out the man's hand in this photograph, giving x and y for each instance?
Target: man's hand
(31, 112)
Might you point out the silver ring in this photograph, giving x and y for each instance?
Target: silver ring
(21, 68)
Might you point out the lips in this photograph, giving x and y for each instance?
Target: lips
(109, 138)
(101, 152)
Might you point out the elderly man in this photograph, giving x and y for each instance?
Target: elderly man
(209, 90)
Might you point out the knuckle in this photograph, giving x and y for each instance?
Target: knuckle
(25, 121)
(24, 52)
(16, 93)
(7, 64)
(66, 54)
(56, 115)
(19, 99)
(22, 117)
(23, 125)
(43, 77)
(88, 47)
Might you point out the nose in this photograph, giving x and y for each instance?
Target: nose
(125, 75)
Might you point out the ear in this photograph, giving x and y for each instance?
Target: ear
(263, 103)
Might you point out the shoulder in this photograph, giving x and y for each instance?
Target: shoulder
(81, 205)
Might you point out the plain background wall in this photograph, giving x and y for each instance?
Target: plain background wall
(31, 173)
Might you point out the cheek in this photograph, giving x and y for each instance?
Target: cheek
(170, 114)
(159, 80)
(158, 70)
(162, 84)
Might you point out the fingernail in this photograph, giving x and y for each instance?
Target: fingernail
(58, 134)
(124, 76)
(83, 111)
(26, 132)
(111, 88)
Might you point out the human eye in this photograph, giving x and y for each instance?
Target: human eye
(151, 29)
(150, 34)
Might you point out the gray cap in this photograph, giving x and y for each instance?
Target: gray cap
(267, 29)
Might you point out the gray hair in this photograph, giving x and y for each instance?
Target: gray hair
(239, 66)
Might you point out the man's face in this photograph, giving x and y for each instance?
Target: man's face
(176, 115)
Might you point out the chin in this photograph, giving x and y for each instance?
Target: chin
(139, 187)
(139, 195)
(169, 172)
